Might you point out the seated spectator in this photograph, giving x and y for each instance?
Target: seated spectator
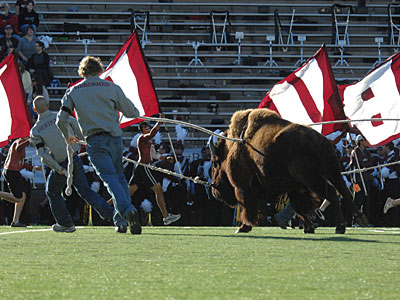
(7, 18)
(26, 46)
(27, 84)
(39, 66)
(8, 43)
(26, 81)
(28, 16)
(19, 5)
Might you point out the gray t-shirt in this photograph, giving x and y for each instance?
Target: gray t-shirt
(96, 103)
(49, 141)
(26, 47)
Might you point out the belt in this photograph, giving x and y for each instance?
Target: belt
(98, 133)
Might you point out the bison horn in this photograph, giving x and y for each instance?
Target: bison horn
(213, 149)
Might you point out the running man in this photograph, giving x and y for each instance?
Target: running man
(51, 147)
(96, 103)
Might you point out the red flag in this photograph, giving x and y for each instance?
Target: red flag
(308, 95)
(14, 115)
(130, 71)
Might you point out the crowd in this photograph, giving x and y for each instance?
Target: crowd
(18, 36)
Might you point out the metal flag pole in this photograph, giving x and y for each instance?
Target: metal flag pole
(361, 175)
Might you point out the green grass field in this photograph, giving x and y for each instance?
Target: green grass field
(199, 263)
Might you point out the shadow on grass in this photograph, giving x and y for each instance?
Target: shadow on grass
(339, 238)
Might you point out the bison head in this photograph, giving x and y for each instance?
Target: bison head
(221, 188)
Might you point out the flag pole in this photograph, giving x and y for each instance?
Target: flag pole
(172, 147)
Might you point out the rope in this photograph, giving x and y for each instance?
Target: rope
(192, 126)
(70, 169)
(195, 180)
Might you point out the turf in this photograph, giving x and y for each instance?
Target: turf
(199, 263)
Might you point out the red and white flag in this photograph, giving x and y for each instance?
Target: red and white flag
(377, 95)
(130, 71)
(14, 115)
(308, 95)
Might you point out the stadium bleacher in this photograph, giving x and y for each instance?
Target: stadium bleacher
(186, 83)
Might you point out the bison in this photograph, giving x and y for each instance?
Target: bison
(276, 157)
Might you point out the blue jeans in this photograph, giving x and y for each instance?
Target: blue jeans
(287, 213)
(56, 183)
(105, 153)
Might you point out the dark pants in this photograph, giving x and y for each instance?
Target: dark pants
(55, 185)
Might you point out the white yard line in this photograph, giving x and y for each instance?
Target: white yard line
(33, 230)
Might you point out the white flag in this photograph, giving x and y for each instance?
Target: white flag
(308, 95)
(377, 95)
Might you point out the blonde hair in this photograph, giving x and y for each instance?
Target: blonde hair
(90, 66)
(40, 104)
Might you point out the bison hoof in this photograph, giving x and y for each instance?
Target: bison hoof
(244, 228)
(309, 230)
(341, 229)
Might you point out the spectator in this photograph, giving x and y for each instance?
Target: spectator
(8, 43)
(26, 46)
(19, 5)
(13, 165)
(204, 207)
(392, 184)
(390, 203)
(7, 18)
(28, 16)
(27, 84)
(361, 158)
(283, 217)
(178, 190)
(39, 66)
(145, 176)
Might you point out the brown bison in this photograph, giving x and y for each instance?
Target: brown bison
(277, 157)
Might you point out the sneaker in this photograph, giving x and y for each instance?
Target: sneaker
(133, 221)
(121, 229)
(59, 228)
(388, 205)
(319, 214)
(17, 224)
(280, 222)
(171, 219)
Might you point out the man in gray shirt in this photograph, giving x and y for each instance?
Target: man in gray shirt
(51, 147)
(96, 103)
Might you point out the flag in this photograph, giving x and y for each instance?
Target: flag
(377, 95)
(308, 95)
(14, 115)
(130, 71)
